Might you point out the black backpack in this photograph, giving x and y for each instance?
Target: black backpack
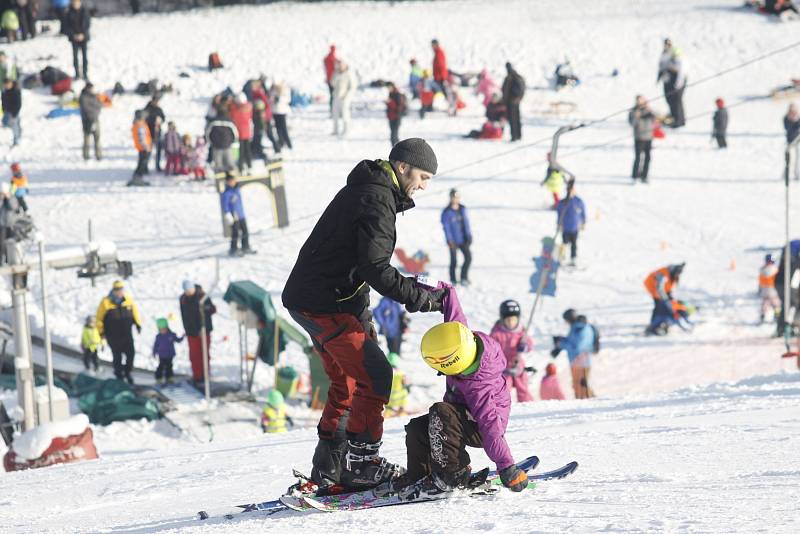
(596, 344)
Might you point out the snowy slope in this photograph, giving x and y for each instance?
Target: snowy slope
(715, 210)
(720, 458)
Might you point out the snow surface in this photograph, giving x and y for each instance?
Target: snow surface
(683, 438)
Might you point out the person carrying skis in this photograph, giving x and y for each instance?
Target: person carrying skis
(572, 219)
(392, 323)
(659, 285)
(327, 293)
(770, 301)
(514, 341)
(579, 344)
(473, 413)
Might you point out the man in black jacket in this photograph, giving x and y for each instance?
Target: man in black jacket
(197, 309)
(513, 91)
(76, 27)
(327, 293)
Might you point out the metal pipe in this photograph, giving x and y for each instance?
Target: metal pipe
(48, 348)
(23, 363)
(787, 251)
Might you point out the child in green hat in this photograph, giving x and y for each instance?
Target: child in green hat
(164, 348)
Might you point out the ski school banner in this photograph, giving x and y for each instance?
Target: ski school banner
(544, 276)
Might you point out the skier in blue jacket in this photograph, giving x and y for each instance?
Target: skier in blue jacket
(458, 234)
(392, 322)
(572, 217)
(233, 210)
(579, 344)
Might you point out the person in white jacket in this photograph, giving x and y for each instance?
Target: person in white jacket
(281, 97)
(344, 86)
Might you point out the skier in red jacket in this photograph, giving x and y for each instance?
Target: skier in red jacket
(441, 75)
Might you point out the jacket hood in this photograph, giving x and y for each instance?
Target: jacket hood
(369, 172)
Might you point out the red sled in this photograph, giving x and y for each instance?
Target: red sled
(61, 451)
(791, 355)
(61, 86)
(658, 132)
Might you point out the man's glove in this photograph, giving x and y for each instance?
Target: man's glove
(514, 478)
(139, 328)
(427, 301)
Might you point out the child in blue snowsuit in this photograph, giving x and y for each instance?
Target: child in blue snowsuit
(164, 348)
(579, 344)
(392, 322)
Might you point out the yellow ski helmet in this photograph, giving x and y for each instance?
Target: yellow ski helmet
(449, 348)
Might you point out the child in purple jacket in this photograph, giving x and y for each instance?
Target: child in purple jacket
(164, 348)
(474, 412)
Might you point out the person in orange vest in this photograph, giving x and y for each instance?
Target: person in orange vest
(659, 284)
(770, 301)
(143, 142)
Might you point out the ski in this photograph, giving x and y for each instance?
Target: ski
(368, 499)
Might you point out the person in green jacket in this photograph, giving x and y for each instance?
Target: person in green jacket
(10, 24)
(90, 343)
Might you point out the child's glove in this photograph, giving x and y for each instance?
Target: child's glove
(514, 478)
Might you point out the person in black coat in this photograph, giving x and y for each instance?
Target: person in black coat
(513, 92)
(12, 104)
(720, 123)
(155, 118)
(27, 22)
(196, 310)
(327, 293)
(76, 27)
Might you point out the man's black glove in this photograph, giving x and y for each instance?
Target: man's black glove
(427, 301)
(514, 478)
(139, 328)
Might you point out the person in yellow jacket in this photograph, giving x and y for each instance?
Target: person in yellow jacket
(398, 398)
(90, 343)
(274, 417)
(19, 185)
(116, 315)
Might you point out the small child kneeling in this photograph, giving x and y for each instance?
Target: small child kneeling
(473, 413)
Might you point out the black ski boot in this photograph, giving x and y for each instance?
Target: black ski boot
(435, 485)
(363, 468)
(327, 461)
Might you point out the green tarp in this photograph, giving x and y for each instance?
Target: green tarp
(106, 401)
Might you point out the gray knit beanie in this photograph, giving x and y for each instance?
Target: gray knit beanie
(416, 152)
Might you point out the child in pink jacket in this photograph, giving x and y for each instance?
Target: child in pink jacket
(514, 341)
(550, 388)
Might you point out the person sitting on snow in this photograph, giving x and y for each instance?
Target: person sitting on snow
(473, 413)
(565, 75)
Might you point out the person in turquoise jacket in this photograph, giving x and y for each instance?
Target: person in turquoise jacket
(579, 344)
